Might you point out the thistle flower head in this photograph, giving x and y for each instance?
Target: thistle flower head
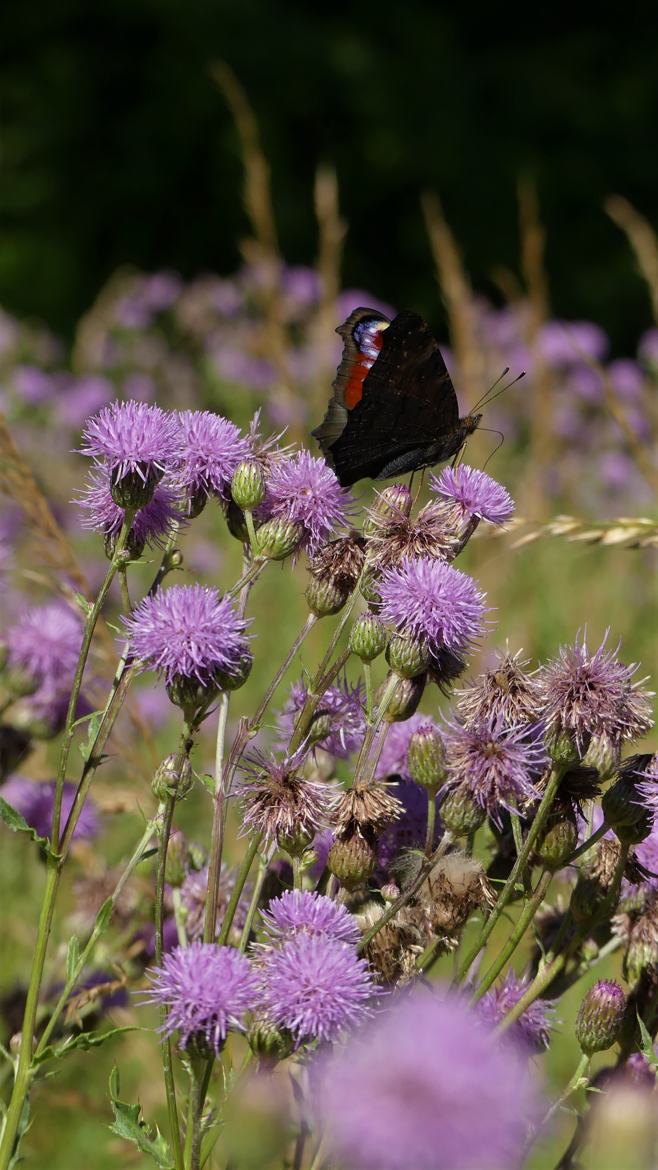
(474, 494)
(533, 1027)
(344, 706)
(300, 912)
(302, 490)
(432, 601)
(340, 561)
(132, 437)
(152, 524)
(366, 807)
(35, 801)
(401, 1093)
(187, 631)
(508, 692)
(316, 987)
(397, 536)
(648, 780)
(498, 765)
(591, 694)
(44, 640)
(393, 758)
(281, 802)
(206, 990)
(209, 450)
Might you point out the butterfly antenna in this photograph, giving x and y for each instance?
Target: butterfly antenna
(488, 392)
(486, 401)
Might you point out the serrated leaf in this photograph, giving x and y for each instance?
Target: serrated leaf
(80, 1042)
(647, 1043)
(129, 1126)
(72, 958)
(13, 819)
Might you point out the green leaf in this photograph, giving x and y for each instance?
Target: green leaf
(18, 824)
(647, 1043)
(87, 748)
(129, 1126)
(104, 914)
(82, 603)
(80, 1042)
(72, 958)
(207, 781)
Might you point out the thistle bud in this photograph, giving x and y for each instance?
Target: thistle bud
(325, 597)
(369, 586)
(426, 759)
(233, 680)
(269, 1042)
(189, 694)
(320, 727)
(368, 637)
(407, 656)
(404, 700)
(236, 522)
(600, 1017)
(196, 502)
(390, 504)
(173, 777)
(135, 489)
(248, 485)
(625, 811)
(594, 893)
(558, 839)
(276, 539)
(352, 859)
(460, 812)
(19, 682)
(296, 844)
(603, 755)
(562, 749)
(132, 550)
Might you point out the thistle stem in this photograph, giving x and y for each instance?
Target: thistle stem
(216, 844)
(165, 1042)
(525, 918)
(406, 896)
(236, 892)
(263, 863)
(431, 822)
(577, 1081)
(596, 836)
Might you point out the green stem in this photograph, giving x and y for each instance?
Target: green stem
(165, 1043)
(367, 674)
(508, 889)
(297, 872)
(217, 838)
(125, 593)
(406, 896)
(322, 677)
(195, 1114)
(596, 836)
(252, 574)
(525, 918)
(236, 892)
(577, 1081)
(431, 821)
(251, 529)
(425, 961)
(364, 756)
(541, 981)
(263, 863)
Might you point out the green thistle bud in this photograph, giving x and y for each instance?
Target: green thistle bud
(602, 755)
(352, 859)
(369, 586)
(236, 522)
(196, 502)
(277, 539)
(460, 812)
(320, 728)
(269, 1042)
(325, 597)
(368, 637)
(20, 682)
(132, 550)
(135, 489)
(405, 698)
(624, 811)
(558, 839)
(233, 680)
(296, 844)
(426, 759)
(562, 749)
(190, 695)
(642, 950)
(248, 485)
(390, 504)
(600, 1017)
(173, 777)
(407, 656)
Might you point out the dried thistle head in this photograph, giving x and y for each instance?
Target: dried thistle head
(456, 886)
(432, 533)
(508, 692)
(340, 561)
(394, 949)
(283, 803)
(367, 807)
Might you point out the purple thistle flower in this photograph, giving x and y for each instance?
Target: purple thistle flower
(474, 494)
(206, 990)
(152, 524)
(35, 800)
(210, 448)
(393, 758)
(425, 1086)
(315, 987)
(304, 491)
(496, 764)
(533, 1028)
(300, 912)
(432, 601)
(345, 706)
(648, 776)
(45, 640)
(132, 437)
(187, 631)
(281, 802)
(592, 694)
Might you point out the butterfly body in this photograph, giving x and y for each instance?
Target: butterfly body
(394, 408)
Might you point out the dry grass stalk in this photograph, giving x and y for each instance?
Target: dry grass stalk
(623, 532)
(533, 248)
(331, 236)
(456, 293)
(643, 241)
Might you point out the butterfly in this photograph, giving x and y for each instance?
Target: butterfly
(394, 407)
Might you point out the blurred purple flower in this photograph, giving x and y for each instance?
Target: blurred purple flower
(209, 450)
(565, 343)
(187, 631)
(432, 601)
(82, 397)
(627, 379)
(425, 1086)
(344, 704)
(132, 437)
(474, 493)
(315, 987)
(33, 385)
(45, 641)
(647, 349)
(408, 831)
(194, 894)
(206, 990)
(533, 1027)
(300, 912)
(304, 490)
(496, 764)
(35, 799)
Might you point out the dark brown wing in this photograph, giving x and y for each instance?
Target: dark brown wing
(333, 424)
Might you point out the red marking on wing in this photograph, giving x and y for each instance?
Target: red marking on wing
(360, 370)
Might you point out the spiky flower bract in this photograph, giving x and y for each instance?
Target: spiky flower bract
(533, 1027)
(393, 758)
(210, 448)
(187, 631)
(396, 536)
(301, 912)
(432, 601)
(589, 694)
(474, 493)
(303, 490)
(131, 437)
(426, 1086)
(507, 692)
(498, 765)
(206, 990)
(152, 524)
(316, 987)
(343, 703)
(281, 802)
(35, 801)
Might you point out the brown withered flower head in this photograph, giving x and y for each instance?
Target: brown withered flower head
(508, 691)
(456, 886)
(395, 536)
(282, 802)
(366, 807)
(340, 561)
